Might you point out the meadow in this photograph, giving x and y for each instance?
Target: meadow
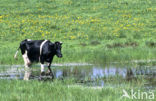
(96, 31)
(17, 90)
(92, 31)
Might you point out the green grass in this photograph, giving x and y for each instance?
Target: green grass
(16, 90)
(71, 88)
(77, 53)
(96, 31)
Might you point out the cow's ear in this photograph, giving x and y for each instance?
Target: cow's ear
(61, 43)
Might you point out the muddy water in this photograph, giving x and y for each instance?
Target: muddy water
(87, 74)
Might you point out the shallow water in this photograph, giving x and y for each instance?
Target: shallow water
(85, 74)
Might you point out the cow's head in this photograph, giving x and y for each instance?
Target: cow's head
(58, 46)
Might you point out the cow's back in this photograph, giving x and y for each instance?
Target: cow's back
(33, 49)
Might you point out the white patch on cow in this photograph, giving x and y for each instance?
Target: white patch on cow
(15, 56)
(29, 40)
(26, 59)
(42, 46)
(42, 68)
(48, 63)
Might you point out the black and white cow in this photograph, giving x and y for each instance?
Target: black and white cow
(38, 51)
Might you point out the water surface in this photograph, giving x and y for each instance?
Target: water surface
(86, 74)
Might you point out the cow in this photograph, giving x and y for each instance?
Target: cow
(42, 51)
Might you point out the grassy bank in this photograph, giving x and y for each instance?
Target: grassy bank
(95, 31)
(34, 90)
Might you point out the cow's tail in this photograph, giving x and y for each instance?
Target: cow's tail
(15, 56)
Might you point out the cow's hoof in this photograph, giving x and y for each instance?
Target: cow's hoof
(50, 74)
(47, 73)
(42, 73)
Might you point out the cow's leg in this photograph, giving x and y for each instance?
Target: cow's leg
(50, 71)
(42, 66)
(42, 69)
(27, 68)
